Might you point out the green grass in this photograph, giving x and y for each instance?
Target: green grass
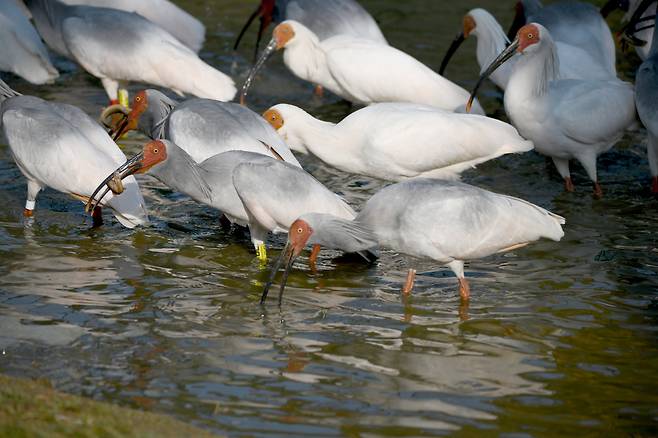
(32, 409)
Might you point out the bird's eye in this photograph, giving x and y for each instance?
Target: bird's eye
(530, 36)
(299, 231)
(155, 151)
(138, 99)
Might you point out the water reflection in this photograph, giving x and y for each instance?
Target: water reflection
(558, 339)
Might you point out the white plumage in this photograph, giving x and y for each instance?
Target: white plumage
(395, 141)
(22, 51)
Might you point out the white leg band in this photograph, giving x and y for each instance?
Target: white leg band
(29, 205)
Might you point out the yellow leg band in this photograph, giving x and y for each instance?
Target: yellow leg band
(123, 98)
(261, 252)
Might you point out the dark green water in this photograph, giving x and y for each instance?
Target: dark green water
(559, 339)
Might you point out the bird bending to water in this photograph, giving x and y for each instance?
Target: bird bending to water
(325, 18)
(59, 146)
(449, 222)
(396, 141)
(575, 61)
(22, 51)
(115, 46)
(202, 127)
(646, 100)
(359, 70)
(249, 188)
(187, 29)
(565, 118)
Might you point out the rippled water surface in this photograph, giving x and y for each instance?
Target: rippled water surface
(558, 338)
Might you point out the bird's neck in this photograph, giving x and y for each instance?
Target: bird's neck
(491, 41)
(325, 140)
(180, 172)
(532, 74)
(306, 58)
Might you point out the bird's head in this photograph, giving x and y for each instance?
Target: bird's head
(153, 153)
(469, 27)
(528, 39)
(284, 119)
(298, 236)
(148, 111)
(284, 35)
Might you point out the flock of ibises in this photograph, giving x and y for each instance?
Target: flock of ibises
(416, 128)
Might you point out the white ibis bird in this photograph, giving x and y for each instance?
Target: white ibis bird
(646, 100)
(575, 23)
(201, 127)
(59, 146)
(565, 119)
(575, 61)
(22, 51)
(117, 46)
(449, 222)
(248, 188)
(396, 141)
(325, 18)
(360, 70)
(186, 28)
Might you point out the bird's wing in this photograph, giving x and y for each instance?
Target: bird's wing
(205, 128)
(276, 193)
(328, 18)
(646, 88)
(370, 72)
(22, 51)
(416, 139)
(164, 13)
(125, 46)
(88, 127)
(592, 111)
(450, 220)
(52, 151)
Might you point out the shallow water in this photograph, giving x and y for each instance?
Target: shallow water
(558, 338)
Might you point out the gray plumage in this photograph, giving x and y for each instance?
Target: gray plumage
(204, 127)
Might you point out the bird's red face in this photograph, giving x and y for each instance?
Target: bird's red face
(154, 152)
(469, 25)
(298, 235)
(130, 120)
(282, 34)
(274, 118)
(527, 36)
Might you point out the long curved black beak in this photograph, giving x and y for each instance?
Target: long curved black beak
(271, 48)
(125, 170)
(287, 256)
(257, 13)
(459, 39)
(518, 23)
(630, 29)
(500, 60)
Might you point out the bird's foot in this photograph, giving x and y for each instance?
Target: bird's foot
(568, 185)
(318, 91)
(312, 260)
(409, 283)
(464, 289)
(261, 252)
(598, 191)
(97, 217)
(654, 185)
(28, 213)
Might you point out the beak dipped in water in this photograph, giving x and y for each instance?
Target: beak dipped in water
(500, 60)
